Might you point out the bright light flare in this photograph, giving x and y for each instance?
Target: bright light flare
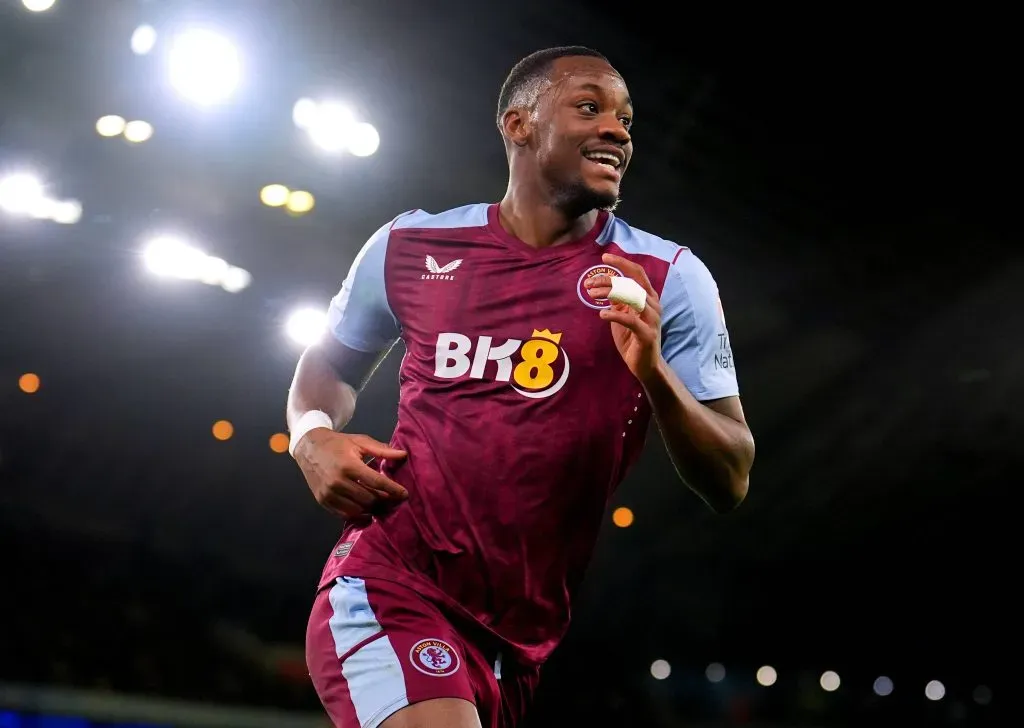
(111, 125)
(21, 194)
(274, 195)
(143, 40)
(66, 212)
(38, 6)
(300, 202)
(170, 257)
(304, 113)
(204, 66)
(364, 140)
(138, 131)
(331, 127)
(235, 279)
(306, 326)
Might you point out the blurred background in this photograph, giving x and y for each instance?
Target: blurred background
(183, 186)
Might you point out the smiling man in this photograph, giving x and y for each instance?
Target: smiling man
(526, 395)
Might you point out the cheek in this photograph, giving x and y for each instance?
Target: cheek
(557, 157)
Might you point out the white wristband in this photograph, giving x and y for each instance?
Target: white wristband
(627, 291)
(309, 421)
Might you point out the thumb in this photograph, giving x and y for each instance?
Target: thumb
(379, 449)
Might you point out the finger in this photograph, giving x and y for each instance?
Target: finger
(378, 449)
(601, 292)
(598, 281)
(344, 507)
(378, 481)
(633, 270)
(352, 489)
(628, 318)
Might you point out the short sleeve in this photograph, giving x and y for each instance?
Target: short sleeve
(695, 340)
(359, 316)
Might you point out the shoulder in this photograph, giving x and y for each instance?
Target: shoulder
(467, 216)
(688, 283)
(634, 241)
(682, 265)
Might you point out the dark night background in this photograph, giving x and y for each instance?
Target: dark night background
(846, 177)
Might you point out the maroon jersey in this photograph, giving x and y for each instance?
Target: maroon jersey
(517, 412)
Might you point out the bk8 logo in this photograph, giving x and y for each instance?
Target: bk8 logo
(536, 368)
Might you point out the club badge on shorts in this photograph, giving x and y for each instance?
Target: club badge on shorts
(434, 657)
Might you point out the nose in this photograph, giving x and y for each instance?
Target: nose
(613, 130)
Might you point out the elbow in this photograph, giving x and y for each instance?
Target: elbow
(735, 484)
(732, 495)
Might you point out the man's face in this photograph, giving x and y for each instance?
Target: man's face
(581, 127)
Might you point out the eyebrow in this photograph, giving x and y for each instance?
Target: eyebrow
(597, 89)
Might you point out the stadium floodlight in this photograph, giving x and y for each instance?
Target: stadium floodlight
(168, 256)
(274, 195)
(171, 257)
(304, 113)
(363, 140)
(110, 125)
(331, 127)
(306, 326)
(235, 279)
(138, 131)
(300, 202)
(66, 212)
(143, 40)
(38, 6)
(21, 193)
(204, 67)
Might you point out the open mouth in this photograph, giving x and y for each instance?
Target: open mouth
(607, 164)
(605, 158)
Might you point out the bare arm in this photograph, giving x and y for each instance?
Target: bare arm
(709, 443)
(362, 329)
(329, 377)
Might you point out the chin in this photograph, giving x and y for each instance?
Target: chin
(580, 198)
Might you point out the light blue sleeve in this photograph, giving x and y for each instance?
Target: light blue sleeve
(695, 340)
(359, 316)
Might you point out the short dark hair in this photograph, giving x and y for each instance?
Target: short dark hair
(535, 67)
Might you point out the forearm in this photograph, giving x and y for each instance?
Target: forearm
(317, 386)
(712, 452)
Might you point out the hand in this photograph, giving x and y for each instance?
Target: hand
(637, 336)
(337, 474)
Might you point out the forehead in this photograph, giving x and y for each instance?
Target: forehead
(577, 72)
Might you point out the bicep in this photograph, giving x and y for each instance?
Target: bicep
(730, 407)
(695, 340)
(361, 325)
(352, 366)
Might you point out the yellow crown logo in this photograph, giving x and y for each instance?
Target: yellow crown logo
(545, 334)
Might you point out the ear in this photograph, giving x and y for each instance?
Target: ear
(515, 126)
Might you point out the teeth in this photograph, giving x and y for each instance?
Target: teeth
(603, 158)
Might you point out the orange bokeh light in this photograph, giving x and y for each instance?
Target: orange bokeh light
(622, 517)
(223, 430)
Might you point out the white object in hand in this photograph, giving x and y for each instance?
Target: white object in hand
(627, 291)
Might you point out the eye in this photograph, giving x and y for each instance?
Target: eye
(626, 122)
(588, 106)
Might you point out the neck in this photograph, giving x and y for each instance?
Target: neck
(536, 220)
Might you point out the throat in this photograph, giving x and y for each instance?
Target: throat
(546, 226)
